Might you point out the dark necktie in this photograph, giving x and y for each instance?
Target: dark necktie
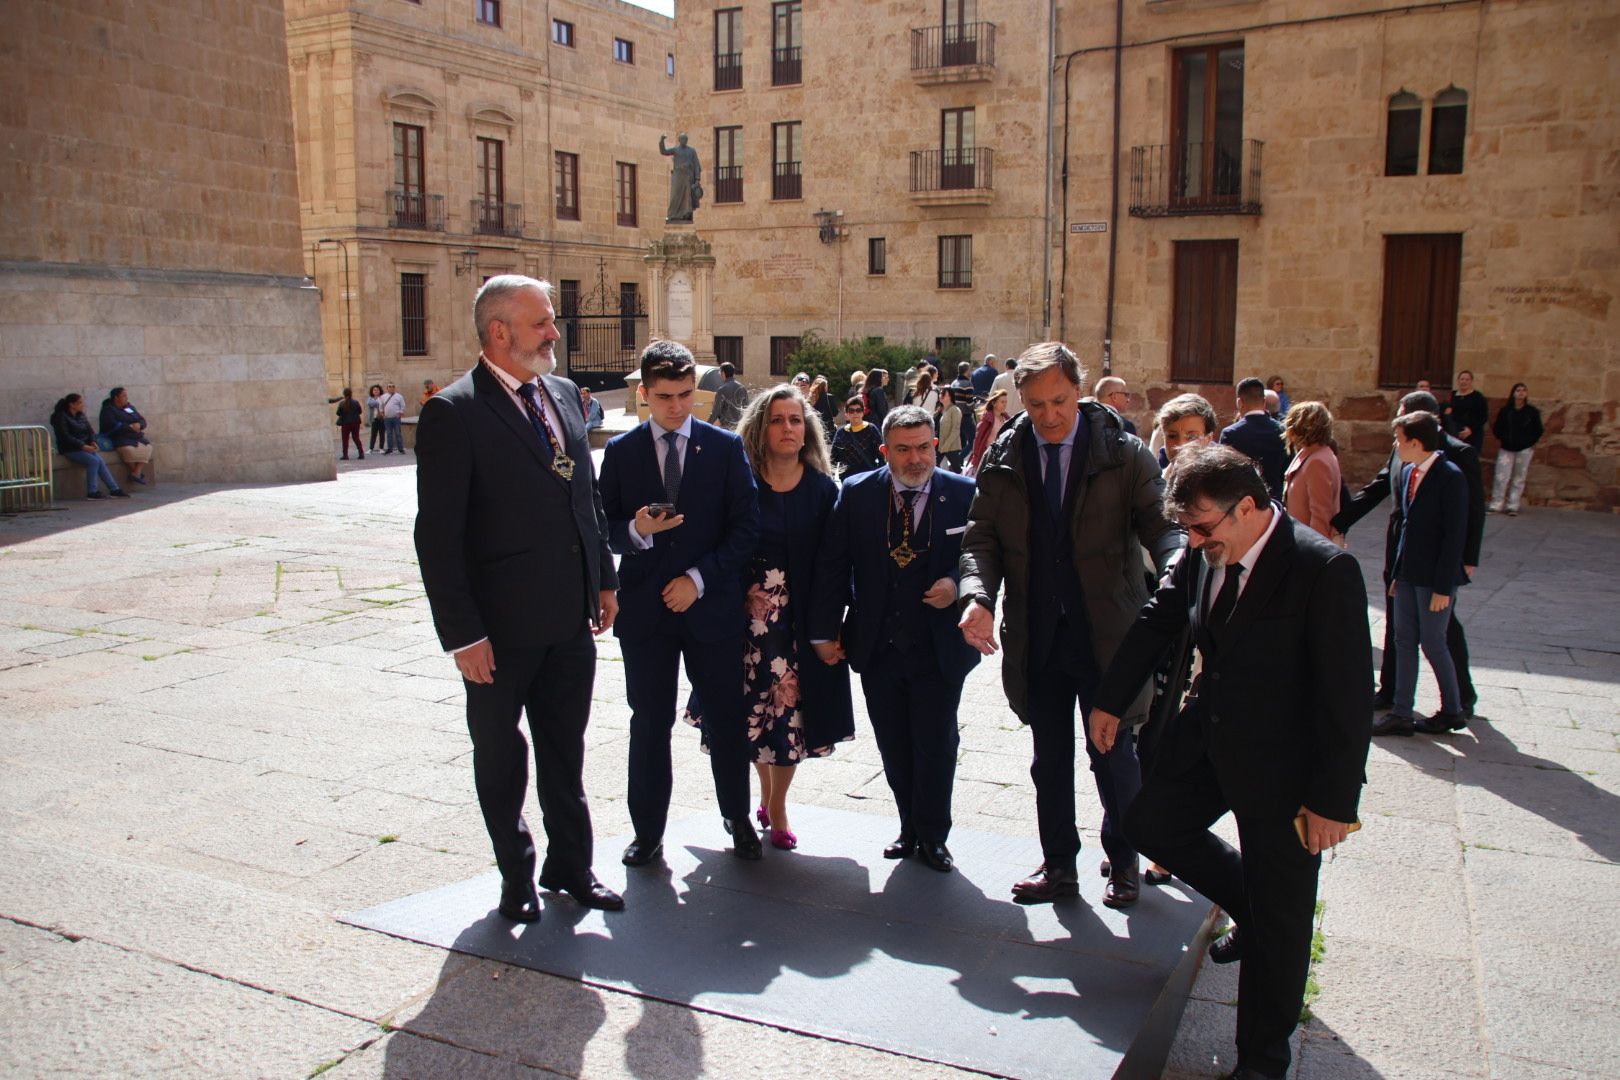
(909, 498)
(672, 467)
(537, 419)
(1226, 599)
(1054, 481)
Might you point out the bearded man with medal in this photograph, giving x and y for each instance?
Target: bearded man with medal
(886, 599)
(512, 542)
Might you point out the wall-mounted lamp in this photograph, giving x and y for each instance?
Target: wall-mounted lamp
(827, 221)
(466, 261)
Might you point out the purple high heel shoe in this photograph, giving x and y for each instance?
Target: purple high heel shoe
(763, 816)
(783, 840)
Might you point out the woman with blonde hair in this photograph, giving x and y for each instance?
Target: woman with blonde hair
(991, 421)
(1311, 483)
(797, 707)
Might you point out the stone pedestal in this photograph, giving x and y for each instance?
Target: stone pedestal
(680, 286)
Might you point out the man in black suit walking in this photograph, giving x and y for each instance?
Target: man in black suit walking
(683, 511)
(1466, 458)
(1258, 435)
(1275, 728)
(511, 538)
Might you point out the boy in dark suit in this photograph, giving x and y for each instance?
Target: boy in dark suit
(511, 539)
(1274, 730)
(896, 536)
(683, 512)
(1258, 435)
(1425, 574)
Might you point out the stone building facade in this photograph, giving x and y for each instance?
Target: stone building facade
(871, 176)
(1342, 194)
(149, 233)
(446, 141)
(1389, 195)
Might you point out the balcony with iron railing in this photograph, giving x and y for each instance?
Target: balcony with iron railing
(415, 210)
(728, 71)
(787, 181)
(728, 180)
(787, 66)
(1186, 179)
(953, 53)
(953, 177)
(497, 218)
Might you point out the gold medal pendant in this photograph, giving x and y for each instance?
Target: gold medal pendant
(903, 556)
(562, 465)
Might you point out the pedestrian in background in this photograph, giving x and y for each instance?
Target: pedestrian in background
(1518, 429)
(126, 427)
(1311, 483)
(392, 408)
(855, 447)
(374, 416)
(348, 419)
(76, 441)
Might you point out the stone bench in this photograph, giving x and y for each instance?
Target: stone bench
(67, 477)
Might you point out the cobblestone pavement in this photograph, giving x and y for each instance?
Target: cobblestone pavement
(224, 719)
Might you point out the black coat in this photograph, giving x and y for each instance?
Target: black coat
(1429, 551)
(1283, 706)
(1460, 454)
(508, 550)
(824, 695)
(73, 431)
(1517, 429)
(1260, 437)
(115, 424)
(1467, 411)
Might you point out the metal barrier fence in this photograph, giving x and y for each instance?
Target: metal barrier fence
(25, 468)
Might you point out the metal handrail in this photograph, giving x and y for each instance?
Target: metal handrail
(953, 45)
(1196, 178)
(27, 469)
(957, 169)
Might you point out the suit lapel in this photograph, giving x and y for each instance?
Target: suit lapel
(494, 395)
(1263, 579)
(692, 468)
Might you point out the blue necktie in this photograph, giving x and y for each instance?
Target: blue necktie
(1054, 481)
(537, 419)
(672, 467)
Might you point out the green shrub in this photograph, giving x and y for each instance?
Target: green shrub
(839, 360)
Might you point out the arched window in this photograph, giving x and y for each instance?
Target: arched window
(1448, 127)
(1405, 129)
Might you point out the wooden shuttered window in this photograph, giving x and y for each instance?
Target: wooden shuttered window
(1418, 340)
(1203, 333)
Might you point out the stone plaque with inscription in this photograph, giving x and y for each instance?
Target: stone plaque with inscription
(680, 306)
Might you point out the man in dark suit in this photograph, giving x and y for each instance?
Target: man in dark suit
(1274, 728)
(895, 537)
(1466, 458)
(1258, 435)
(511, 539)
(1066, 504)
(683, 512)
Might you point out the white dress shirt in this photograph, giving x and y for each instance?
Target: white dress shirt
(1217, 576)
(683, 439)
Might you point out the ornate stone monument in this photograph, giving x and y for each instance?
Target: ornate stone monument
(680, 284)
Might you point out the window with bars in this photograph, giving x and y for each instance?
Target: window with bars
(413, 314)
(408, 159)
(1418, 337)
(1206, 125)
(1203, 333)
(728, 49)
(491, 170)
(729, 350)
(624, 193)
(877, 255)
(782, 353)
(728, 165)
(786, 165)
(489, 12)
(566, 167)
(787, 53)
(629, 308)
(624, 51)
(568, 313)
(562, 33)
(956, 262)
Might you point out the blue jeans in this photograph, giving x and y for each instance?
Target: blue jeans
(1416, 626)
(94, 469)
(392, 434)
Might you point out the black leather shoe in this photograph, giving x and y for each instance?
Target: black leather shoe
(1124, 888)
(586, 891)
(519, 901)
(1441, 723)
(744, 840)
(1047, 884)
(1391, 724)
(641, 852)
(1226, 949)
(1156, 877)
(904, 847)
(935, 857)
(1383, 702)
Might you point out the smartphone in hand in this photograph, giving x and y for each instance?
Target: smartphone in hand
(661, 510)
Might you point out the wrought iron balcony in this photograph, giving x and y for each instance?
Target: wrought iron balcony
(728, 183)
(953, 52)
(788, 181)
(728, 71)
(953, 177)
(415, 210)
(1184, 179)
(787, 66)
(497, 218)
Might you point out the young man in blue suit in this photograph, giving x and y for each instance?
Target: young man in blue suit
(1258, 435)
(894, 538)
(683, 513)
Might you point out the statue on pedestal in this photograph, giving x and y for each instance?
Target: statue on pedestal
(685, 180)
